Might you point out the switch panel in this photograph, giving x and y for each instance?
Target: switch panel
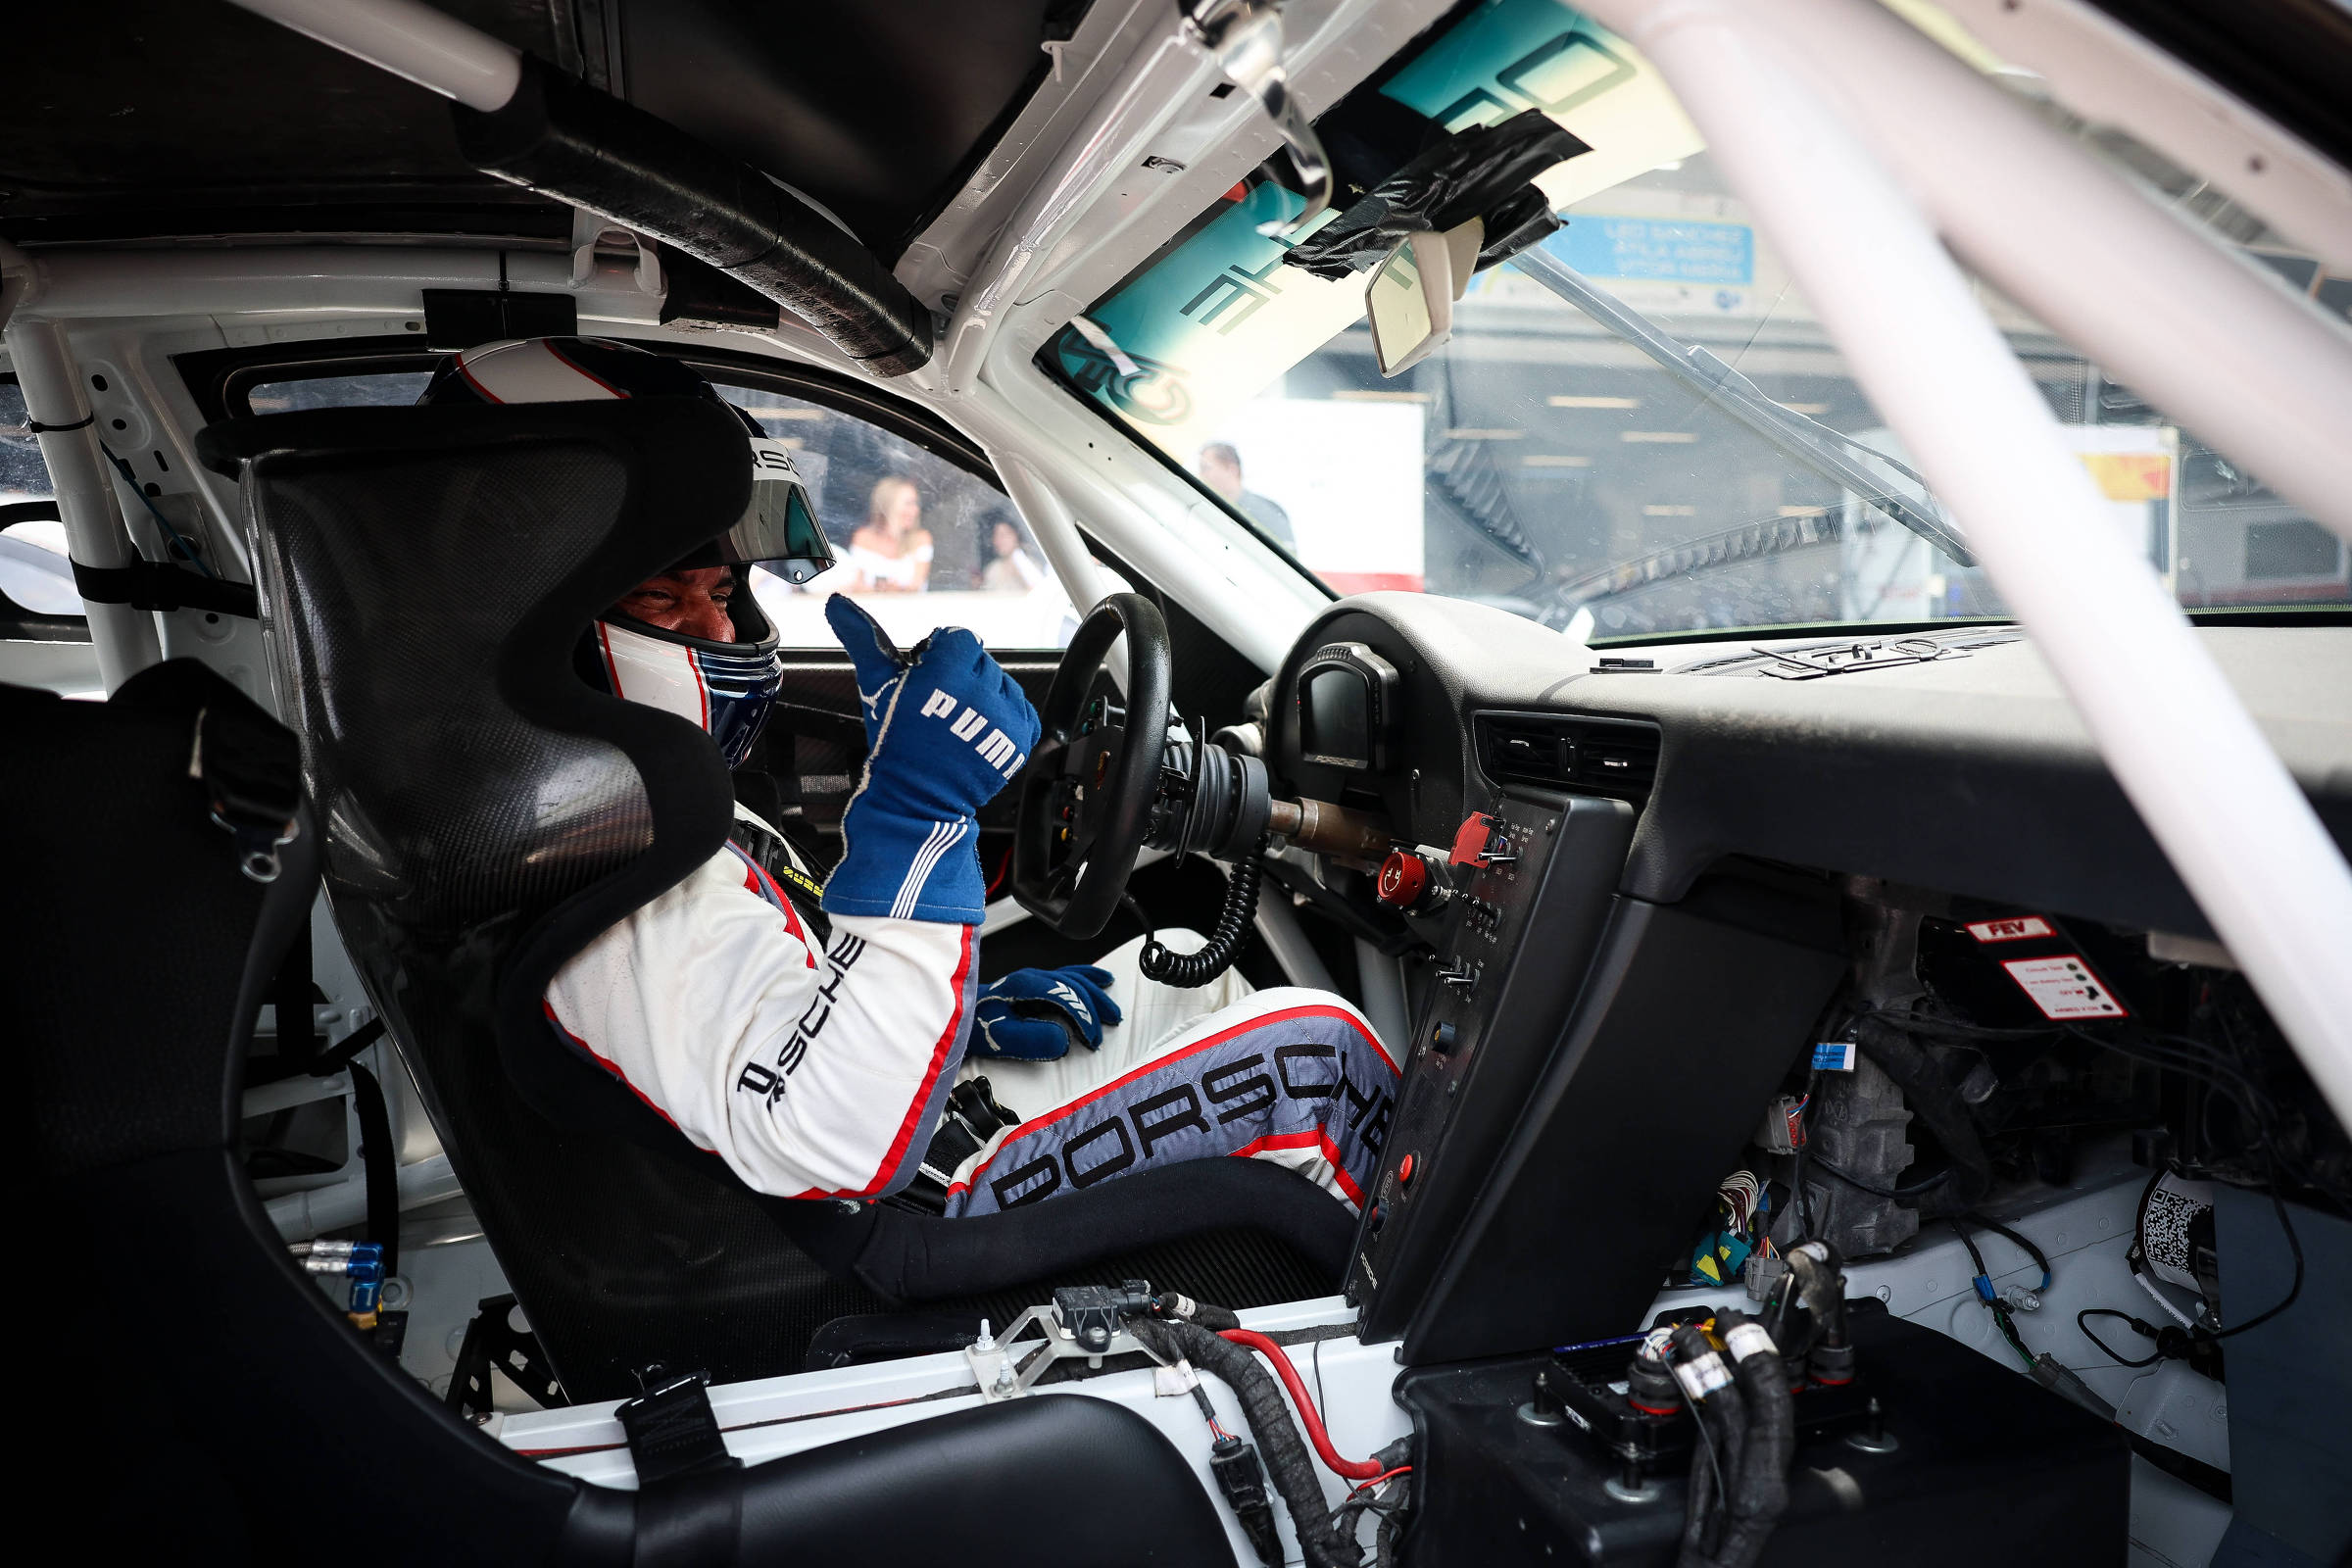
(1531, 879)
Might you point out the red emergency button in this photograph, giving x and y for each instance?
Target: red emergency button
(1404, 879)
(1405, 1170)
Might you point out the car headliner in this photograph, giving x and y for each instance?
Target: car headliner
(160, 119)
(170, 117)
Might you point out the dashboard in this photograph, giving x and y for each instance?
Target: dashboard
(1614, 876)
(1967, 772)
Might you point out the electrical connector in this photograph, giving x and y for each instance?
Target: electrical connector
(2062, 1380)
(1242, 1481)
(365, 1267)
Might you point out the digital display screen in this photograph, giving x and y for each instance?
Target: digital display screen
(1335, 717)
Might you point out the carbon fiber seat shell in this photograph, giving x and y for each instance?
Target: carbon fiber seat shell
(478, 832)
(424, 573)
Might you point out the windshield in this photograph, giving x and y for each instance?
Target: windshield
(1567, 455)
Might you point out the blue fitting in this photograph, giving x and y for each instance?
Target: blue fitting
(366, 1275)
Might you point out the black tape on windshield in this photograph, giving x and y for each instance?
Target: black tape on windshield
(1484, 171)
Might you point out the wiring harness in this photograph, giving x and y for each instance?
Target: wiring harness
(1183, 1334)
(1731, 1375)
(2225, 1066)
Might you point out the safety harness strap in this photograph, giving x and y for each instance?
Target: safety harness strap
(774, 857)
(146, 585)
(973, 1116)
(673, 1430)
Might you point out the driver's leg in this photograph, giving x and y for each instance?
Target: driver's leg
(1291, 1075)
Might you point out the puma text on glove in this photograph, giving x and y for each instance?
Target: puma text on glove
(949, 729)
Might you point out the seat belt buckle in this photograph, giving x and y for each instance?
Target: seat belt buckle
(925, 1194)
(672, 1428)
(976, 1105)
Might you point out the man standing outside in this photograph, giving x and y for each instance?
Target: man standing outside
(1220, 467)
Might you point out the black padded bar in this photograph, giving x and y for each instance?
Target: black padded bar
(566, 139)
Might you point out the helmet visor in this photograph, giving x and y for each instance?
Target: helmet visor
(778, 530)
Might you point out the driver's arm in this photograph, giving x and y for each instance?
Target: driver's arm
(813, 1074)
(821, 1074)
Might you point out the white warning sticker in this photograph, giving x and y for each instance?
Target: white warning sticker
(1703, 1376)
(1168, 1382)
(2017, 930)
(2065, 988)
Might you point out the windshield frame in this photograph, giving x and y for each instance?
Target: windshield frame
(1044, 361)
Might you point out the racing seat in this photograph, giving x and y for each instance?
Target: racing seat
(426, 573)
(208, 1403)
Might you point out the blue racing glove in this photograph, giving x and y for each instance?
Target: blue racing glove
(945, 729)
(1034, 1015)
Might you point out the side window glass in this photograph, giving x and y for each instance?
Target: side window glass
(388, 388)
(920, 542)
(35, 576)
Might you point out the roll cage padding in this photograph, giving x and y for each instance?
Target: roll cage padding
(567, 139)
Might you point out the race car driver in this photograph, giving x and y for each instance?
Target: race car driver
(817, 1042)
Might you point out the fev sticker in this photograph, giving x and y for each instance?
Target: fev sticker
(2065, 988)
(2017, 930)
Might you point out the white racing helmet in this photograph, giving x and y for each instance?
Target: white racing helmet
(725, 687)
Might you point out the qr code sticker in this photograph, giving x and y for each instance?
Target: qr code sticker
(2164, 1232)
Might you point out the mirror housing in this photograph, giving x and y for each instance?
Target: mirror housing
(1408, 300)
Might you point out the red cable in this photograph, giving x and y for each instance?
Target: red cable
(1350, 1469)
(1386, 1475)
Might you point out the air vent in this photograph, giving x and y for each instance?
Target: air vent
(1527, 751)
(1591, 756)
(1626, 759)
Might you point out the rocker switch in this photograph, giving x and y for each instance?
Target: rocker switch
(1483, 840)
(1471, 838)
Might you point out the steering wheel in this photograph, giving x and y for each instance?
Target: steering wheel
(1087, 793)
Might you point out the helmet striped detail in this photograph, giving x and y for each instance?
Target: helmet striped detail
(725, 691)
(531, 370)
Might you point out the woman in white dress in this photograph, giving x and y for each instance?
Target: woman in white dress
(890, 551)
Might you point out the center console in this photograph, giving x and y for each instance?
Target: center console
(1517, 906)
(1584, 1068)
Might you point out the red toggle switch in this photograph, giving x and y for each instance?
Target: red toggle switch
(1470, 839)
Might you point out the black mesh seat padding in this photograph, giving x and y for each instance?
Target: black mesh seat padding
(135, 957)
(425, 574)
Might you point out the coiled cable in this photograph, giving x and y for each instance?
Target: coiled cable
(1188, 969)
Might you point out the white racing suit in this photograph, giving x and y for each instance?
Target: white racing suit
(825, 1071)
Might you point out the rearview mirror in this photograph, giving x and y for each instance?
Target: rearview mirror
(1409, 299)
